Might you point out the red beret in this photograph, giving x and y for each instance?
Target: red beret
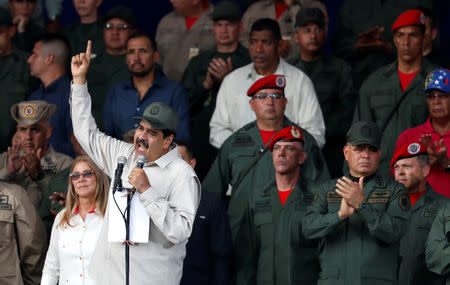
(409, 18)
(291, 133)
(268, 82)
(408, 150)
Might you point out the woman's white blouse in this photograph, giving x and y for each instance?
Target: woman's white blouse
(70, 250)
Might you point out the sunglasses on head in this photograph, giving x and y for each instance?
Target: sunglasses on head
(85, 174)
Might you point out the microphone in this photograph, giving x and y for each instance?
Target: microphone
(141, 161)
(118, 174)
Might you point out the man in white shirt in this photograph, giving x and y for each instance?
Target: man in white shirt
(167, 191)
(232, 109)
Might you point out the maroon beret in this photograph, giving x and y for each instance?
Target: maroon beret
(409, 18)
(408, 150)
(291, 133)
(273, 81)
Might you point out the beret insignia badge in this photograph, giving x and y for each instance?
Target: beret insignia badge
(154, 110)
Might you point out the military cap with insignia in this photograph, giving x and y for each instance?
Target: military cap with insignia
(307, 15)
(272, 81)
(226, 10)
(29, 113)
(408, 150)
(291, 133)
(364, 133)
(413, 17)
(160, 116)
(5, 17)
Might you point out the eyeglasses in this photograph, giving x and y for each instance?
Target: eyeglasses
(85, 174)
(20, 1)
(118, 26)
(263, 96)
(437, 95)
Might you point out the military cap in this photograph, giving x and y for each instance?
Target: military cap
(289, 134)
(226, 10)
(438, 79)
(29, 113)
(409, 150)
(5, 17)
(306, 15)
(409, 18)
(160, 116)
(273, 81)
(121, 12)
(364, 133)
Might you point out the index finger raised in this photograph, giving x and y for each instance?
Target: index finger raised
(88, 50)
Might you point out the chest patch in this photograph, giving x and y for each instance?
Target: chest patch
(333, 197)
(4, 205)
(430, 213)
(379, 197)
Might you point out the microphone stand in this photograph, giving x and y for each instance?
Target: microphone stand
(127, 237)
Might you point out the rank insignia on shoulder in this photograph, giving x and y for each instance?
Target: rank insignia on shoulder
(4, 205)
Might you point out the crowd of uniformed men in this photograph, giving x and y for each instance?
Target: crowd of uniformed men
(267, 118)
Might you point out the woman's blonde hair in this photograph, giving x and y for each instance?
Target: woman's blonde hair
(101, 191)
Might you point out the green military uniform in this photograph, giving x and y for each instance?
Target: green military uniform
(78, 35)
(240, 151)
(105, 71)
(22, 239)
(51, 163)
(274, 250)
(15, 82)
(57, 183)
(333, 84)
(357, 16)
(177, 45)
(363, 248)
(266, 9)
(25, 41)
(437, 251)
(203, 101)
(413, 269)
(379, 95)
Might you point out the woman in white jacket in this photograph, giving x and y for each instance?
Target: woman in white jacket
(77, 227)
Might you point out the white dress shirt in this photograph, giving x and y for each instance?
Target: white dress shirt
(70, 250)
(170, 203)
(233, 110)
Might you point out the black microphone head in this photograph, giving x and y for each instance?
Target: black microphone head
(141, 161)
(121, 160)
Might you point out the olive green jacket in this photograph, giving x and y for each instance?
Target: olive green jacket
(363, 248)
(273, 249)
(238, 153)
(378, 97)
(438, 244)
(78, 35)
(413, 269)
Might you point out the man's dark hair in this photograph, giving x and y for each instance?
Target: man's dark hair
(167, 133)
(59, 46)
(423, 160)
(429, 14)
(144, 35)
(267, 24)
(188, 147)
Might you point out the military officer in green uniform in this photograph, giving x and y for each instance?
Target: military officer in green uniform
(274, 250)
(109, 66)
(14, 78)
(359, 218)
(392, 96)
(204, 74)
(243, 161)
(30, 161)
(332, 80)
(412, 167)
(90, 27)
(438, 244)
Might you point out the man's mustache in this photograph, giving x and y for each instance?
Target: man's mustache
(259, 55)
(143, 142)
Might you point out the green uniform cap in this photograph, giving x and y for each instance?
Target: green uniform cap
(306, 15)
(160, 116)
(121, 12)
(29, 113)
(5, 17)
(226, 10)
(364, 133)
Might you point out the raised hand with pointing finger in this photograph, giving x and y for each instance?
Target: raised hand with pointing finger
(80, 65)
